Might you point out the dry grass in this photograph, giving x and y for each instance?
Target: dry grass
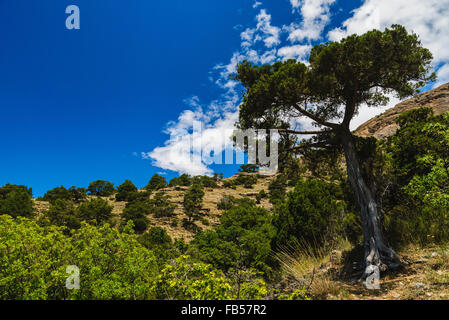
(313, 268)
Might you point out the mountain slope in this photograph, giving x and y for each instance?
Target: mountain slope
(384, 125)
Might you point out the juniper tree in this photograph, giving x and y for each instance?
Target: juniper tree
(340, 77)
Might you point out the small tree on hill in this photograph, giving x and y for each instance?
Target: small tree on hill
(156, 182)
(96, 210)
(126, 191)
(16, 201)
(101, 188)
(193, 200)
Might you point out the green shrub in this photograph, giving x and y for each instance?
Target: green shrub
(61, 193)
(137, 212)
(186, 280)
(16, 201)
(126, 191)
(96, 211)
(156, 182)
(277, 189)
(193, 200)
(242, 240)
(112, 264)
(313, 213)
(183, 180)
(101, 188)
(160, 206)
(62, 213)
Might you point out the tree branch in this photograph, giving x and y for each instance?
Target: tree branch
(316, 119)
(303, 132)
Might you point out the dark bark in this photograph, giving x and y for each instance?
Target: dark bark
(377, 253)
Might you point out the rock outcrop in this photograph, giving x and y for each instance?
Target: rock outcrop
(384, 125)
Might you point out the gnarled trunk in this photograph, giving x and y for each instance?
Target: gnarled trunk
(377, 253)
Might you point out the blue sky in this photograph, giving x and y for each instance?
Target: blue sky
(97, 103)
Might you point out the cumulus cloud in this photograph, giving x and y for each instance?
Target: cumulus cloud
(315, 16)
(298, 52)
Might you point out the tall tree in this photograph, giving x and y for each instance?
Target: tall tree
(340, 77)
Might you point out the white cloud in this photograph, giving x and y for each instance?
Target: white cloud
(443, 75)
(315, 16)
(298, 52)
(256, 4)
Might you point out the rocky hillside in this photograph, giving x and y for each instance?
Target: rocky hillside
(384, 125)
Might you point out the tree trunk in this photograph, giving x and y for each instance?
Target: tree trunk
(377, 253)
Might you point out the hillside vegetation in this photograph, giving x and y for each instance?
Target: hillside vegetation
(342, 208)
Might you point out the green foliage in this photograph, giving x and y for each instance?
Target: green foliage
(16, 201)
(227, 202)
(160, 206)
(62, 213)
(183, 180)
(314, 213)
(246, 180)
(77, 194)
(126, 191)
(249, 168)
(137, 212)
(229, 184)
(158, 240)
(61, 193)
(419, 153)
(156, 182)
(95, 211)
(112, 264)
(261, 195)
(193, 200)
(186, 280)
(101, 188)
(417, 137)
(205, 181)
(241, 241)
(300, 294)
(277, 189)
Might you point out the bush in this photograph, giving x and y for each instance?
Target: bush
(229, 184)
(156, 182)
(277, 189)
(183, 180)
(63, 213)
(16, 201)
(226, 203)
(314, 213)
(241, 241)
(160, 206)
(186, 280)
(205, 181)
(126, 191)
(112, 264)
(101, 188)
(137, 212)
(61, 193)
(96, 211)
(193, 200)
(417, 210)
(249, 168)
(248, 181)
